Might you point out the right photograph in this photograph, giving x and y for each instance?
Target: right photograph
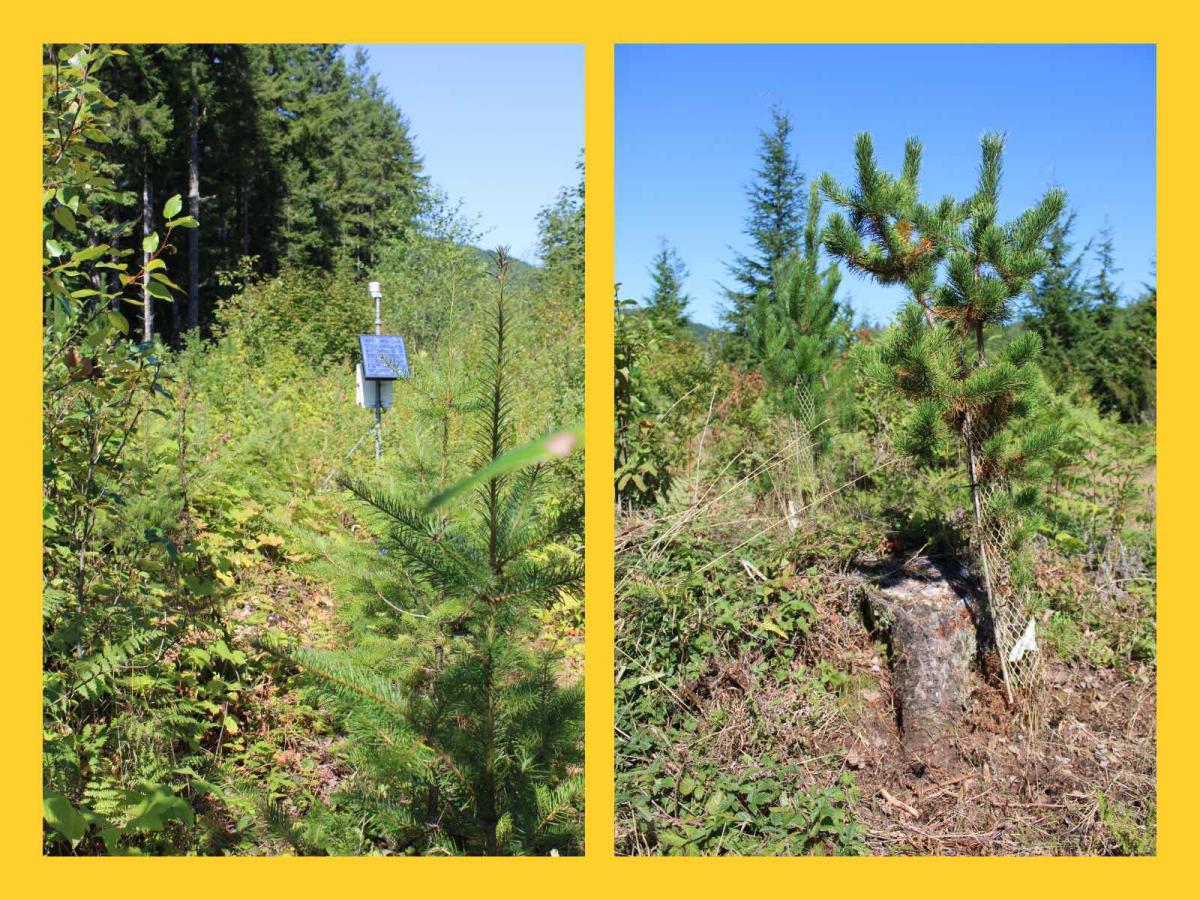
(885, 457)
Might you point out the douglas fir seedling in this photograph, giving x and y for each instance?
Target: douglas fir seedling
(464, 738)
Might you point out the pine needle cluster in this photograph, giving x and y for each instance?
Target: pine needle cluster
(963, 269)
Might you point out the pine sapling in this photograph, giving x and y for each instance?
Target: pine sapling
(963, 270)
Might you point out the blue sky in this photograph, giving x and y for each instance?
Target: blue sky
(500, 126)
(688, 121)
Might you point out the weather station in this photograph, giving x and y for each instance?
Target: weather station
(383, 360)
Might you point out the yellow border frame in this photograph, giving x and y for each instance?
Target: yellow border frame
(598, 27)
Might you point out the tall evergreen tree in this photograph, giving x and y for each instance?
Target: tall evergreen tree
(377, 191)
(1094, 342)
(1058, 309)
(1121, 360)
(351, 172)
(242, 184)
(285, 153)
(1136, 347)
(1104, 289)
(1104, 295)
(198, 88)
(667, 303)
(141, 131)
(774, 225)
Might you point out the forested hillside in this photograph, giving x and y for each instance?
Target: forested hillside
(256, 639)
(888, 589)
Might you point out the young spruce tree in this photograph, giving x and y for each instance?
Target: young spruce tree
(963, 268)
(792, 329)
(667, 303)
(464, 740)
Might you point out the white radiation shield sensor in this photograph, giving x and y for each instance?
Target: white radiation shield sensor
(371, 392)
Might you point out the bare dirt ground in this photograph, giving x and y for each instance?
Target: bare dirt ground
(1069, 770)
(1038, 782)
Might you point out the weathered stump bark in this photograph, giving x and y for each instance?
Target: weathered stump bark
(932, 633)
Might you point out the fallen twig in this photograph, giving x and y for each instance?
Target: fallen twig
(899, 803)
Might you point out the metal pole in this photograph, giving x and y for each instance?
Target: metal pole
(377, 294)
(378, 424)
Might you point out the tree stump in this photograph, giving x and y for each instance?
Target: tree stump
(932, 633)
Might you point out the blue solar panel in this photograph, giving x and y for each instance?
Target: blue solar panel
(383, 356)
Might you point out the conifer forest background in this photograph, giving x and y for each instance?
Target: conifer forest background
(886, 587)
(257, 639)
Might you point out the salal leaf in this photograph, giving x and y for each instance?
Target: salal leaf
(64, 217)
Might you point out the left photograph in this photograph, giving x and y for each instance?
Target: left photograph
(312, 406)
